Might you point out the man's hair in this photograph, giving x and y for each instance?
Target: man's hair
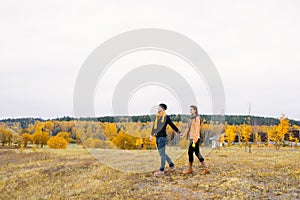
(164, 106)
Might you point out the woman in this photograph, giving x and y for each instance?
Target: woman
(193, 134)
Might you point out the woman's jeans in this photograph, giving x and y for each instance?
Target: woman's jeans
(161, 143)
(196, 150)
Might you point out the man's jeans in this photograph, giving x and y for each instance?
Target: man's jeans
(161, 145)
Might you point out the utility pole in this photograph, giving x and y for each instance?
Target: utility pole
(249, 122)
(249, 112)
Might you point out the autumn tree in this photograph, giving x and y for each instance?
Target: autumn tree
(110, 130)
(73, 133)
(48, 127)
(230, 133)
(282, 129)
(257, 138)
(139, 143)
(246, 131)
(80, 136)
(124, 141)
(293, 139)
(40, 137)
(26, 137)
(64, 135)
(271, 131)
(277, 133)
(239, 134)
(6, 136)
(57, 142)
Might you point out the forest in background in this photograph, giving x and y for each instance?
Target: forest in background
(230, 119)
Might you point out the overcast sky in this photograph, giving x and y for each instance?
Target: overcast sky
(255, 46)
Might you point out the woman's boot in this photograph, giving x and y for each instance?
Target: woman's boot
(190, 169)
(206, 170)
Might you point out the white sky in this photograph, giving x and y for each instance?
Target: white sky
(254, 44)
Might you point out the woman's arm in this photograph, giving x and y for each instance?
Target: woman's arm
(197, 129)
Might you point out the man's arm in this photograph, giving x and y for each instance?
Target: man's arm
(172, 125)
(151, 134)
(184, 133)
(152, 131)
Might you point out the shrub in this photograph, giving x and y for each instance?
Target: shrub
(57, 142)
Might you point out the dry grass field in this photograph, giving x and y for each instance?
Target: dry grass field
(76, 174)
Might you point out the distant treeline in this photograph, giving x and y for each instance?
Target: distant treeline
(229, 119)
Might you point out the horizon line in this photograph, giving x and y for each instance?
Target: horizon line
(52, 118)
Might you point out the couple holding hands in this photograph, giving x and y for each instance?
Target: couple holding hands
(192, 134)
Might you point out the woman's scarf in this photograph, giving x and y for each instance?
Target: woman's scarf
(189, 125)
(161, 114)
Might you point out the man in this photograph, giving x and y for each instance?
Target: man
(159, 131)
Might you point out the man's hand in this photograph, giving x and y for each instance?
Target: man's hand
(181, 136)
(150, 138)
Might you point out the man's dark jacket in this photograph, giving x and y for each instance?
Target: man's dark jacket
(161, 127)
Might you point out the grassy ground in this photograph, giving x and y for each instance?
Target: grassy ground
(76, 174)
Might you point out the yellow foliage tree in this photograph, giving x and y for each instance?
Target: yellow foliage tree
(48, 125)
(110, 130)
(277, 133)
(271, 131)
(64, 135)
(124, 141)
(40, 137)
(246, 131)
(230, 133)
(139, 142)
(26, 137)
(5, 136)
(57, 142)
(296, 140)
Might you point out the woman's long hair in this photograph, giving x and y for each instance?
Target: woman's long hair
(195, 108)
